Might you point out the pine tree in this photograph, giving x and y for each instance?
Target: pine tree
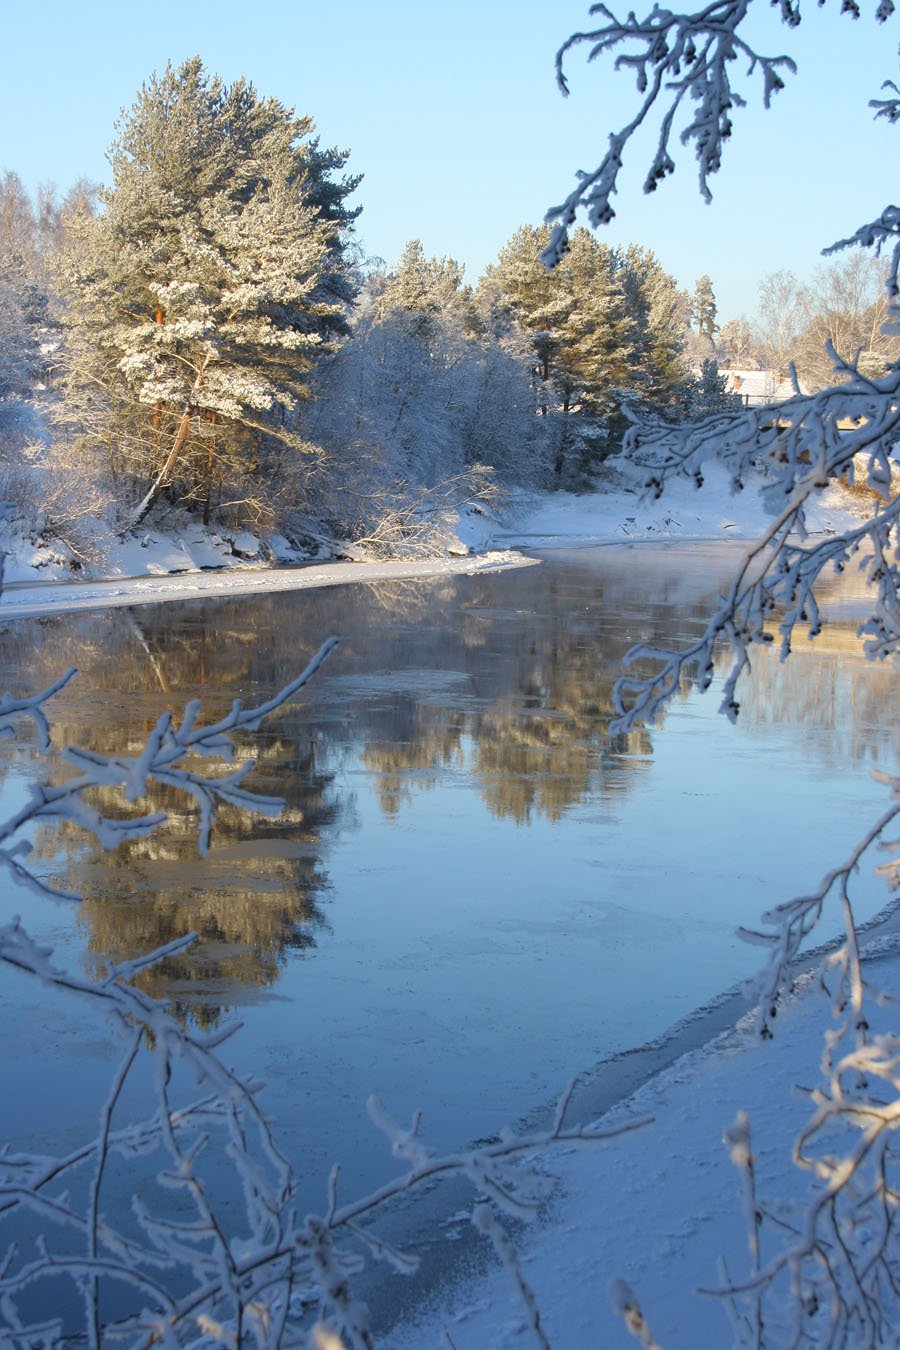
(704, 307)
(203, 293)
(577, 320)
(659, 330)
(426, 286)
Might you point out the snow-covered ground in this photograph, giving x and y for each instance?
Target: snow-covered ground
(659, 1207)
(188, 562)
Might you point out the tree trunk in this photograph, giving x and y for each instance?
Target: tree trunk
(161, 479)
(209, 468)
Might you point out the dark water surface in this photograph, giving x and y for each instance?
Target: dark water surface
(473, 892)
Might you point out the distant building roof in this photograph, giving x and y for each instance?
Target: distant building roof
(757, 387)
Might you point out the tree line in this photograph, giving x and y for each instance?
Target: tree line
(842, 306)
(205, 334)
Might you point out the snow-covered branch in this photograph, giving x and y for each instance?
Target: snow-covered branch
(679, 62)
(824, 1267)
(161, 761)
(792, 452)
(185, 1263)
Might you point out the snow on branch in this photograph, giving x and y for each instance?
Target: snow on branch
(888, 107)
(835, 1246)
(683, 62)
(184, 1263)
(211, 1250)
(161, 761)
(798, 448)
(13, 708)
(876, 234)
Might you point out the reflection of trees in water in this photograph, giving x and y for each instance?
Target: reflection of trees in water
(508, 677)
(250, 900)
(840, 701)
(541, 761)
(532, 722)
(401, 769)
(255, 897)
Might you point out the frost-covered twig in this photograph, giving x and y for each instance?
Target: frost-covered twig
(188, 1259)
(833, 1263)
(683, 66)
(109, 1255)
(791, 923)
(798, 449)
(234, 1278)
(485, 1221)
(625, 1303)
(681, 62)
(838, 1248)
(161, 761)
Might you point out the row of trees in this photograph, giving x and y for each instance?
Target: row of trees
(211, 336)
(843, 304)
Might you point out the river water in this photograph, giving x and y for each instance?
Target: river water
(474, 892)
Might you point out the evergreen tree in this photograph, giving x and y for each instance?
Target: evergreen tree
(659, 330)
(579, 328)
(425, 286)
(518, 286)
(708, 393)
(704, 307)
(202, 294)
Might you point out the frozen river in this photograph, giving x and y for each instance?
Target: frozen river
(474, 892)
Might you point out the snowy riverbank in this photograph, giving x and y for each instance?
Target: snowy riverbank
(189, 562)
(662, 1208)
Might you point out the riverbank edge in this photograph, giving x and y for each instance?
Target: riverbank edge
(420, 1223)
(27, 600)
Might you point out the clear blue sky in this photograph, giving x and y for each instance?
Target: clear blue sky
(451, 112)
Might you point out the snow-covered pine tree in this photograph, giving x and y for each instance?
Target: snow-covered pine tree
(426, 286)
(518, 285)
(659, 331)
(203, 293)
(578, 324)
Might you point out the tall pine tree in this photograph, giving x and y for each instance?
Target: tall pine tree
(576, 317)
(203, 293)
(659, 334)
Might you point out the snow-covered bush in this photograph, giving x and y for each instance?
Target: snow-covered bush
(415, 418)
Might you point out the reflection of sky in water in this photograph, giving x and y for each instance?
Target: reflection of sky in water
(469, 963)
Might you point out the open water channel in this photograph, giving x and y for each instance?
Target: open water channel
(474, 892)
